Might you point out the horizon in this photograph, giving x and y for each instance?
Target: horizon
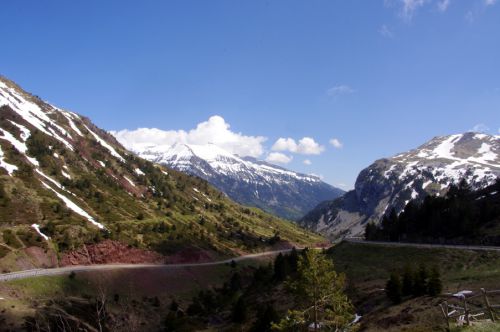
(352, 83)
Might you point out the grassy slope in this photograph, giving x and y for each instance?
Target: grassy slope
(159, 211)
(368, 267)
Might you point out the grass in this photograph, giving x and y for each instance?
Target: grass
(368, 266)
(365, 262)
(484, 327)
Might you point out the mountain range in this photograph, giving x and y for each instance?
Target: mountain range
(390, 183)
(246, 180)
(71, 194)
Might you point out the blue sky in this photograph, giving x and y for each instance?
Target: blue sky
(379, 76)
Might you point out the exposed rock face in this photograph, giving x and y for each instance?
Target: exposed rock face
(247, 180)
(391, 183)
(107, 252)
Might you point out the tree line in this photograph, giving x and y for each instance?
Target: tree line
(413, 283)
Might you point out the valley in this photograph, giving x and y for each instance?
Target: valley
(106, 240)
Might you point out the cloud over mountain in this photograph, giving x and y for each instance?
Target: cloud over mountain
(215, 130)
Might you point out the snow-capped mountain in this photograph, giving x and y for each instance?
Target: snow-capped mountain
(391, 183)
(246, 180)
(71, 194)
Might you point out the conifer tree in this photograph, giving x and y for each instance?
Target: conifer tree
(239, 314)
(435, 285)
(393, 288)
(320, 292)
(407, 285)
(420, 281)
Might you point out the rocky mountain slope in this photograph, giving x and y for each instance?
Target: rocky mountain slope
(391, 183)
(244, 179)
(69, 189)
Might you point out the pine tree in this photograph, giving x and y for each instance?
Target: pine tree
(393, 288)
(435, 285)
(265, 317)
(293, 259)
(281, 268)
(235, 283)
(420, 281)
(239, 313)
(320, 290)
(407, 286)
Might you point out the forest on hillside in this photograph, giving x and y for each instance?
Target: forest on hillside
(463, 216)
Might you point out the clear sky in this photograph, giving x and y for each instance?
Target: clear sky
(379, 76)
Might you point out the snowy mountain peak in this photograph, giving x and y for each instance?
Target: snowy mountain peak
(474, 157)
(390, 183)
(246, 180)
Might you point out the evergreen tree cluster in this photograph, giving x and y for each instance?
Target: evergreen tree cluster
(238, 297)
(457, 218)
(413, 283)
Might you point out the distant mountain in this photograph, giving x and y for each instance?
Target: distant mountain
(246, 180)
(71, 194)
(391, 183)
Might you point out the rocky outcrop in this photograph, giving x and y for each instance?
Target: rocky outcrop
(389, 184)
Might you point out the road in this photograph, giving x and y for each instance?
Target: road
(104, 267)
(421, 245)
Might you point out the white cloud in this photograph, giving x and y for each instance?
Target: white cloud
(489, 2)
(385, 31)
(307, 162)
(215, 130)
(278, 158)
(409, 7)
(338, 90)
(336, 143)
(285, 144)
(480, 128)
(306, 145)
(443, 5)
(469, 16)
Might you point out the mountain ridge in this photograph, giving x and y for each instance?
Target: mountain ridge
(247, 180)
(390, 183)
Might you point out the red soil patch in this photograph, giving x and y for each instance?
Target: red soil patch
(109, 251)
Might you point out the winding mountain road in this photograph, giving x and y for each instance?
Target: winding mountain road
(104, 267)
(421, 245)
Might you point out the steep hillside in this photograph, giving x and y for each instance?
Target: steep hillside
(70, 193)
(389, 184)
(463, 216)
(246, 180)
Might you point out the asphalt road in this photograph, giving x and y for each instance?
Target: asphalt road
(104, 267)
(421, 245)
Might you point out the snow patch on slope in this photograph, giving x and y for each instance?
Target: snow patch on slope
(75, 208)
(32, 114)
(37, 229)
(8, 167)
(105, 145)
